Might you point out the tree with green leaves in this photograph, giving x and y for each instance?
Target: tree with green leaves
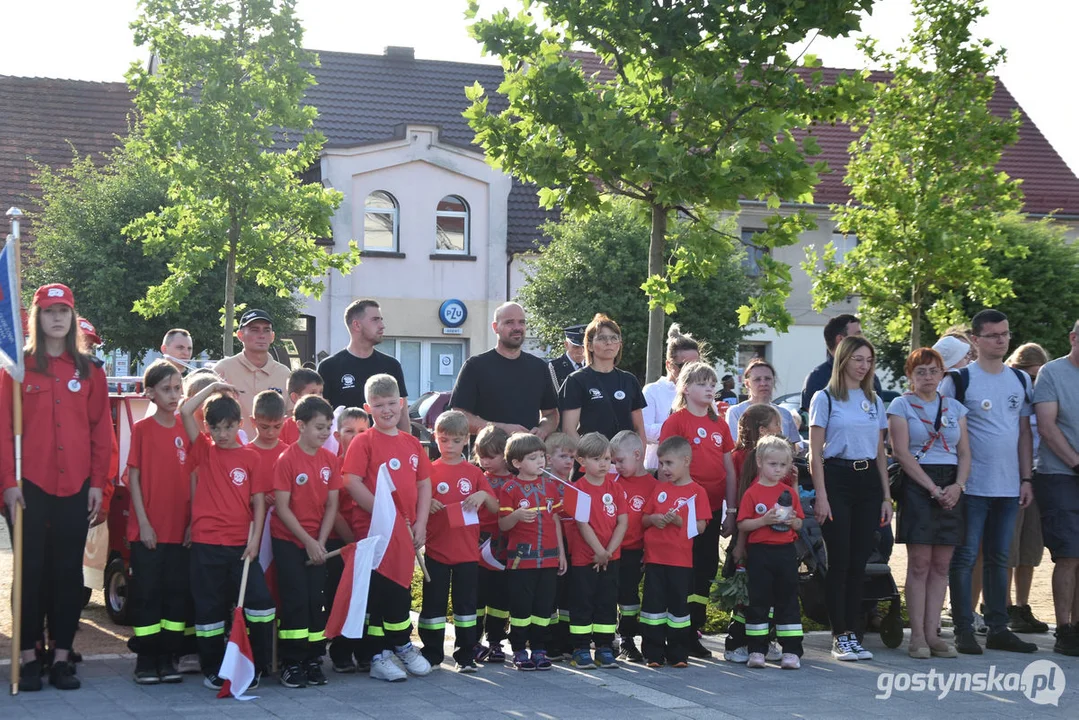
(927, 198)
(598, 263)
(221, 118)
(696, 108)
(80, 241)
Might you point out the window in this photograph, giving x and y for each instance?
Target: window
(429, 365)
(380, 222)
(843, 244)
(751, 263)
(451, 228)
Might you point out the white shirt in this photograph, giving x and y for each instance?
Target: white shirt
(660, 397)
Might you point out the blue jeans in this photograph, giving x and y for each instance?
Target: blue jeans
(990, 525)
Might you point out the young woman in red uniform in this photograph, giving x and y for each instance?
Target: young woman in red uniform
(67, 442)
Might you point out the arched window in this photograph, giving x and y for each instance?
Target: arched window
(451, 226)
(380, 222)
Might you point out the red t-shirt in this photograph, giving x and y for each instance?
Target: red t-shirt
(608, 503)
(638, 489)
(290, 432)
(671, 545)
(451, 484)
(757, 501)
(159, 453)
(309, 479)
(710, 440)
(264, 479)
(534, 544)
(221, 513)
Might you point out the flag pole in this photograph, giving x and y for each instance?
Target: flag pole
(17, 536)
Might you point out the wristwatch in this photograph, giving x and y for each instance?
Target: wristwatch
(962, 487)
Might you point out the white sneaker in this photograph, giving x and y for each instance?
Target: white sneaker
(384, 668)
(841, 649)
(857, 648)
(775, 653)
(188, 664)
(790, 662)
(414, 662)
(738, 655)
(756, 660)
(980, 628)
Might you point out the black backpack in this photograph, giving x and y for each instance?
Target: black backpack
(961, 379)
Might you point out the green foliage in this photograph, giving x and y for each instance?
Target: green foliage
(80, 242)
(700, 112)
(599, 263)
(221, 119)
(927, 197)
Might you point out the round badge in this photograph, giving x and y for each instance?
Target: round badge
(760, 509)
(550, 505)
(702, 433)
(609, 509)
(619, 395)
(443, 488)
(865, 406)
(325, 473)
(348, 381)
(987, 404)
(662, 497)
(74, 385)
(181, 456)
(717, 439)
(523, 504)
(696, 441)
(301, 479)
(179, 443)
(395, 464)
(945, 421)
(637, 503)
(238, 476)
(414, 461)
(464, 485)
(607, 498)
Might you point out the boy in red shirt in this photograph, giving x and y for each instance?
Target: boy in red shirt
(227, 514)
(528, 515)
(668, 556)
(390, 597)
(268, 417)
(300, 383)
(492, 599)
(561, 451)
(769, 515)
(627, 455)
(453, 550)
(158, 529)
(595, 549)
(306, 483)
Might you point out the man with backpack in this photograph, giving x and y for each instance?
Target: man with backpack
(998, 400)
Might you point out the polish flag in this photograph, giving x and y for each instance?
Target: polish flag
(691, 515)
(238, 667)
(578, 504)
(269, 569)
(350, 602)
(395, 557)
(487, 557)
(459, 516)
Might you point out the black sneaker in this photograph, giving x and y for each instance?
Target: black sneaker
(255, 683)
(1021, 620)
(212, 681)
(1007, 640)
(628, 651)
(966, 643)
(166, 670)
(1067, 640)
(315, 676)
(698, 650)
(30, 676)
(62, 676)
(146, 670)
(293, 676)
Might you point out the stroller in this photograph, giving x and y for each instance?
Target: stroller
(813, 566)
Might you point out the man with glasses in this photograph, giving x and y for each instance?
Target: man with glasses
(998, 401)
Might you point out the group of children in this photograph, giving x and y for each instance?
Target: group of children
(542, 538)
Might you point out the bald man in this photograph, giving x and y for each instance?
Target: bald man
(506, 386)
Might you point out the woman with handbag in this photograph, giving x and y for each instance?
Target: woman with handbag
(929, 439)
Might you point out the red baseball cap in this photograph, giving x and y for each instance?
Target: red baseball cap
(89, 331)
(54, 294)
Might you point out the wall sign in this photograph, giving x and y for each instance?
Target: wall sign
(452, 313)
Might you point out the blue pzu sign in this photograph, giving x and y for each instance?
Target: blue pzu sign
(452, 313)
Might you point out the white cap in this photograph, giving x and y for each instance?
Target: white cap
(952, 349)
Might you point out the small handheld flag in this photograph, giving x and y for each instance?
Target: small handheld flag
(578, 504)
(691, 514)
(487, 557)
(459, 516)
(350, 603)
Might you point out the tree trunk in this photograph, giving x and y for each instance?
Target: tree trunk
(915, 319)
(657, 248)
(230, 291)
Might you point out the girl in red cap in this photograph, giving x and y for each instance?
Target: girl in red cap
(67, 437)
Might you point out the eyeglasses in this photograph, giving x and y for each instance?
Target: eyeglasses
(612, 339)
(996, 336)
(928, 372)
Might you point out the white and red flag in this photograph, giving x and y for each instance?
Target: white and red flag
(269, 570)
(350, 602)
(576, 503)
(459, 516)
(487, 557)
(238, 667)
(691, 515)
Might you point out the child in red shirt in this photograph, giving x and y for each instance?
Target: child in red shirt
(306, 483)
(770, 514)
(527, 514)
(627, 455)
(158, 530)
(492, 597)
(668, 556)
(595, 549)
(561, 452)
(300, 383)
(453, 549)
(227, 515)
(268, 417)
(408, 466)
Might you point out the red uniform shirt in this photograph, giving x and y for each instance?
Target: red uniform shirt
(309, 479)
(757, 501)
(451, 484)
(159, 453)
(489, 520)
(290, 432)
(671, 545)
(608, 503)
(638, 489)
(710, 440)
(534, 544)
(67, 428)
(264, 478)
(221, 513)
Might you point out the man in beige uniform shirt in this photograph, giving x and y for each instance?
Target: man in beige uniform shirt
(253, 370)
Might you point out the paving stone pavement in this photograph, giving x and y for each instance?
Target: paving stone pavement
(823, 688)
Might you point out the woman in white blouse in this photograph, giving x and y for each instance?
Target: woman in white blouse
(681, 349)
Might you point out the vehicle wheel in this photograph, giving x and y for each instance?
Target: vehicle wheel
(116, 584)
(891, 631)
(86, 593)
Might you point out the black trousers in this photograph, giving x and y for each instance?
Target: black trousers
(54, 536)
(665, 624)
(593, 609)
(630, 572)
(855, 498)
(493, 604)
(159, 600)
(215, 582)
(461, 579)
(705, 566)
(773, 583)
(301, 615)
(532, 597)
(389, 625)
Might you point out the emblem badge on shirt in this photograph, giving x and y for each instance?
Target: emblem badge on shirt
(414, 461)
(442, 488)
(395, 464)
(946, 420)
(239, 476)
(595, 393)
(696, 441)
(179, 443)
(987, 404)
(1013, 402)
(523, 504)
(717, 439)
(74, 385)
(301, 479)
(609, 509)
(619, 395)
(465, 486)
(702, 433)
(760, 509)
(662, 497)
(865, 406)
(637, 503)
(607, 498)
(181, 456)
(325, 473)
(348, 382)
(550, 504)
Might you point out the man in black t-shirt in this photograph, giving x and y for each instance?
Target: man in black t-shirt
(345, 373)
(506, 386)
